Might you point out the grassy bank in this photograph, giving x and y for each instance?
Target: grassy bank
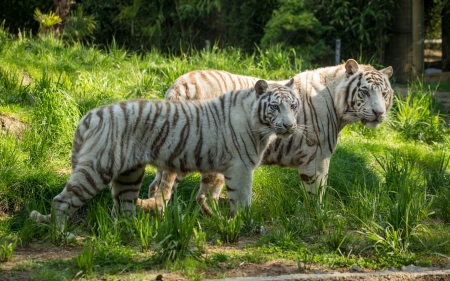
(387, 203)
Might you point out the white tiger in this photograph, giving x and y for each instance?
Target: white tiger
(331, 98)
(228, 135)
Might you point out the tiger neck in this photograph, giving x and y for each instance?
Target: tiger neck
(337, 84)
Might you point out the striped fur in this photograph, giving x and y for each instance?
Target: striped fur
(207, 84)
(331, 98)
(228, 135)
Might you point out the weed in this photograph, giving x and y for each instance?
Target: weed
(143, 227)
(85, 261)
(305, 262)
(227, 227)
(7, 247)
(175, 230)
(200, 239)
(336, 235)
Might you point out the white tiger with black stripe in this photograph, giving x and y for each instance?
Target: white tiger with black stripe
(228, 135)
(331, 98)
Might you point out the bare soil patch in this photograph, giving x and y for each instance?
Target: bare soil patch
(11, 125)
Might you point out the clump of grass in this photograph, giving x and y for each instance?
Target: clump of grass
(228, 227)
(85, 261)
(7, 247)
(200, 239)
(108, 230)
(402, 208)
(144, 227)
(415, 117)
(175, 230)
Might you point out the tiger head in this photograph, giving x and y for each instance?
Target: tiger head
(278, 107)
(365, 94)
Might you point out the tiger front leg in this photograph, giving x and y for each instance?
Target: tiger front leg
(314, 176)
(211, 184)
(238, 182)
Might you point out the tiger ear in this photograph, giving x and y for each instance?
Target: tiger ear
(388, 71)
(290, 83)
(260, 87)
(351, 67)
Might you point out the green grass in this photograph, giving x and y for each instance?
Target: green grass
(387, 203)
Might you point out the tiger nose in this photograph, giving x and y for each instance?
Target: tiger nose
(288, 126)
(377, 113)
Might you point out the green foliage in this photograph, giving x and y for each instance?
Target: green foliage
(404, 205)
(293, 25)
(143, 227)
(143, 25)
(79, 26)
(54, 118)
(241, 23)
(46, 21)
(227, 227)
(18, 14)
(200, 239)
(361, 25)
(85, 261)
(175, 230)
(7, 247)
(415, 117)
(433, 19)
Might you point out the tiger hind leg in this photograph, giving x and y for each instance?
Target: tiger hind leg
(125, 191)
(211, 184)
(84, 183)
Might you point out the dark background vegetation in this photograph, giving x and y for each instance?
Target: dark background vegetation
(309, 27)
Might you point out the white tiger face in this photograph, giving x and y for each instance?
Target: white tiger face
(369, 94)
(279, 108)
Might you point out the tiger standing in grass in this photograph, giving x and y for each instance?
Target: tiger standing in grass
(331, 98)
(227, 135)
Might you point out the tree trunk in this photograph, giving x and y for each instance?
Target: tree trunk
(62, 9)
(446, 36)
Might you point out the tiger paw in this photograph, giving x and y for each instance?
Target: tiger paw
(146, 204)
(39, 218)
(150, 204)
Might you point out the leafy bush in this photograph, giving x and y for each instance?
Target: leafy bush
(293, 25)
(79, 26)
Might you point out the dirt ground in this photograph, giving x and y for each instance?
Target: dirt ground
(270, 270)
(38, 252)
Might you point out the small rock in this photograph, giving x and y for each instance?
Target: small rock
(411, 268)
(392, 269)
(356, 268)
(260, 230)
(222, 265)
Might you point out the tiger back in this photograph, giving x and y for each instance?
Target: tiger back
(114, 143)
